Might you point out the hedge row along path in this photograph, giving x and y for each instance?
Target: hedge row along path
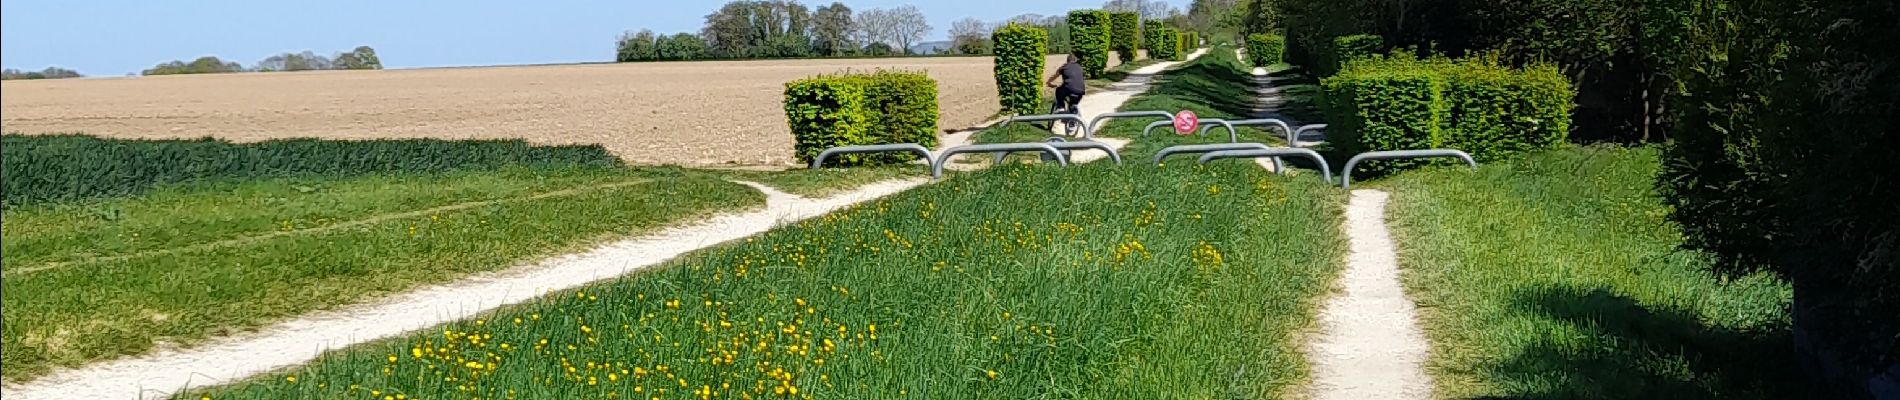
(299, 341)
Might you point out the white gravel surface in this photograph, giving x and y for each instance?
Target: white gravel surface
(299, 341)
(1369, 345)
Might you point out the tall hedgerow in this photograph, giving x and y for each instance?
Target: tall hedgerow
(1264, 49)
(1151, 34)
(1089, 35)
(1019, 63)
(1126, 35)
(1346, 49)
(878, 108)
(1401, 103)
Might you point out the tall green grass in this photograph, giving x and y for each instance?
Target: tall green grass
(95, 280)
(1557, 277)
(63, 168)
(1014, 282)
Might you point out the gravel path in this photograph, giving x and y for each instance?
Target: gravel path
(1369, 345)
(299, 341)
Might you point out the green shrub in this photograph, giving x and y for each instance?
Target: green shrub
(1019, 63)
(1380, 104)
(1089, 35)
(1166, 44)
(1492, 111)
(1346, 49)
(1126, 35)
(41, 169)
(1264, 49)
(878, 108)
(1153, 35)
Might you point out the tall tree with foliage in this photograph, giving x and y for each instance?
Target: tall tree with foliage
(970, 36)
(1784, 160)
(640, 46)
(831, 30)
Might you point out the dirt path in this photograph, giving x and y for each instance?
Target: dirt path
(299, 341)
(1369, 345)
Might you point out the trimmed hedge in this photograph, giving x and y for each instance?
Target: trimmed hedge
(1126, 35)
(1487, 110)
(877, 108)
(1346, 49)
(1019, 63)
(1264, 49)
(1153, 35)
(1089, 36)
(59, 168)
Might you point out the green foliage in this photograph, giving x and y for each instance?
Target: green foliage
(1264, 49)
(682, 47)
(1164, 43)
(637, 47)
(1784, 151)
(40, 169)
(883, 107)
(1089, 34)
(362, 57)
(202, 65)
(1019, 64)
(1401, 103)
(1126, 35)
(48, 73)
(1346, 49)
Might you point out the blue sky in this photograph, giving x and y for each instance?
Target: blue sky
(115, 37)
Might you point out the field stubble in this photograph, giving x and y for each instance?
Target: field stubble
(685, 113)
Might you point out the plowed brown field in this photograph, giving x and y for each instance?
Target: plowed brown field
(688, 113)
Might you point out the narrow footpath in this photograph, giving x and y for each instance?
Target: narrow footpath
(1094, 104)
(287, 344)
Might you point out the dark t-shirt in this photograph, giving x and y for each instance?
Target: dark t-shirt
(1073, 79)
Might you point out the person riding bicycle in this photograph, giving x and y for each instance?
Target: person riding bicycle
(1074, 83)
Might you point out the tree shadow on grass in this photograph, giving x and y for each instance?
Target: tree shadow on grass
(1634, 351)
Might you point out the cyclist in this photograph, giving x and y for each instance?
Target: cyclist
(1073, 84)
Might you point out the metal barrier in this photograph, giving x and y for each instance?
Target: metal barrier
(1293, 139)
(1325, 171)
(936, 169)
(1157, 124)
(1232, 135)
(1210, 148)
(1253, 122)
(1345, 180)
(1076, 145)
(875, 148)
(1097, 122)
(1086, 131)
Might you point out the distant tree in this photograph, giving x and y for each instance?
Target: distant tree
(202, 65)
(970, 36)
(48, 73)
(683, 46)
(637, 47)
(305, 61)
(831, 30)
(752, 28)
(910, 26)
(877, 26)
(1149, 10)
(879, 49)
(362, 57)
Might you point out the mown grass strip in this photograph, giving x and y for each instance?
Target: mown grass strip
(70, 316)
(1557, 276)
(1014, 282)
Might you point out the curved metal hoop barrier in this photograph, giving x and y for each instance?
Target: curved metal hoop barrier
(1232, 135)
(1075, 145)
(1326, 171)
(875, 148)
(1293, 139)
(1210, 148)
(1097, 122)
(1087, 132)
(1157, 124)
(936, 168)
(1251, 122)
(1345, 179)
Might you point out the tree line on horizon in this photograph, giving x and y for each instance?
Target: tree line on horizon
(362, 57)
(747, 29)
(48, 73)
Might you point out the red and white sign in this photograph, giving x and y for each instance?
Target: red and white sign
(1185, 123)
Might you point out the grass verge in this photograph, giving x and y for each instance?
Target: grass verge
(1557, 276)
(1012, 282)
(94, 280)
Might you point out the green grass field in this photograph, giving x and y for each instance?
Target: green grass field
(1089, 282)
(92, 280)
(1557, 277)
